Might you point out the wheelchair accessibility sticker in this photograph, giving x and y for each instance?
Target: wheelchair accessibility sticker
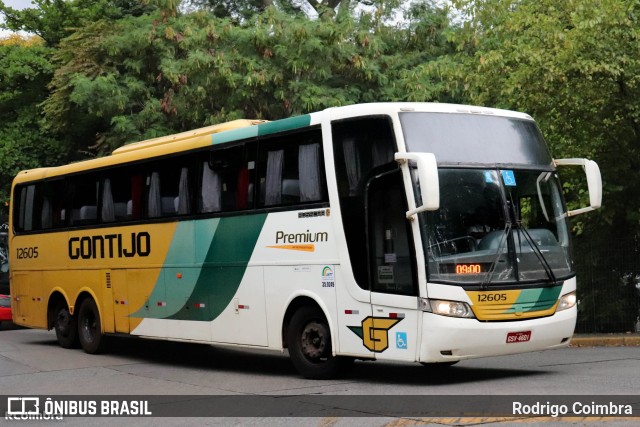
(401, 340)
(509, 178)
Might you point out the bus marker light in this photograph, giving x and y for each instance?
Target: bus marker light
(199, 305)
(162, 304)
(179, 276)
(352, 312)
(396, 315)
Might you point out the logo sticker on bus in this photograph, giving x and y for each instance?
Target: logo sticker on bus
(299, 241)
(328, 280)
(374, 332)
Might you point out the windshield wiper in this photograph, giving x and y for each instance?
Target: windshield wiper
(537, 251)
(494, 264)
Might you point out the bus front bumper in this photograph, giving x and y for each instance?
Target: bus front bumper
(446, 339)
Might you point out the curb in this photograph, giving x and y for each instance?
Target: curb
(623, 340)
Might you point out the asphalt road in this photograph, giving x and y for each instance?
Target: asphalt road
(31, 363)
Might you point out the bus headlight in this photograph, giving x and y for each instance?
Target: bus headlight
(567, 301)
(446, 308)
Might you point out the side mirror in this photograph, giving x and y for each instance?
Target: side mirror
(594, 182)
(428, 180)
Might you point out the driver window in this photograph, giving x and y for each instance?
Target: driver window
(392, 268)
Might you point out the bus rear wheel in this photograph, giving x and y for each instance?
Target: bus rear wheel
(309, 342)
(66, 327)
(89, 327)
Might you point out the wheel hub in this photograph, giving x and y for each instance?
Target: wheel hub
(313, 340)
(63, 321)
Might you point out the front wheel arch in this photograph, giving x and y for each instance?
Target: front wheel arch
(310, 344)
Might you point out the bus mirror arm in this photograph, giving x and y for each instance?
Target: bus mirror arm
(428, 179)
(594, 182)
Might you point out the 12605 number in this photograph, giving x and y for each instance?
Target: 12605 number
(27, 253)
(492, 297)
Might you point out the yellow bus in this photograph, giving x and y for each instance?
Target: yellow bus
(429, 233)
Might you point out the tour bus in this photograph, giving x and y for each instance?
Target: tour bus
(418, 232)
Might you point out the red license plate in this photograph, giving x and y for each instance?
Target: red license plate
(518, 337)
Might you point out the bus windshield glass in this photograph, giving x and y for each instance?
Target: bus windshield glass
(502, 218)
(497, 226)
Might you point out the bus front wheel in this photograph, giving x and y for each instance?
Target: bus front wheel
(89, 327)
(309, 342)
(66, 327)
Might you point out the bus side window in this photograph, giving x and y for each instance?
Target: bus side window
(52, 202)
(168, 191)
(292, 169)
(227, 179)
(311, 176)
(122, 195)
(84, 200)
(25, 211)
(211, 189)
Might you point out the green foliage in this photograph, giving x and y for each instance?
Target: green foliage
(234, 9)
(573, 65)
(53, 20)
(140, 77)
(25, 70)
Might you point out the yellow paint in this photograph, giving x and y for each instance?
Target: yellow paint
(132, 279)
(375, 332)
(494, 305)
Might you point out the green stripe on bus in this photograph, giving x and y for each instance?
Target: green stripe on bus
(234, 135)
(170, 289)
(201, 291)
(224, 266)
(284, 125)
(537, 299)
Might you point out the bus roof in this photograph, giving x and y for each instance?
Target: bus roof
(241, 129)
(189, 140)
(171, 139)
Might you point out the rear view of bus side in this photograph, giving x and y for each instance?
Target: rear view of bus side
(418, 232)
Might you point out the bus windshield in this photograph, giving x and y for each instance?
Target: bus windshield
(502, 218)
(497, 226)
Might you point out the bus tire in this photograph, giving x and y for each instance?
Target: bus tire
(309, 343)
(66, 327)
(89, 327)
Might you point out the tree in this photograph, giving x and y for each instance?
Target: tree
(25, 70)
(52, 20)
(145, 76)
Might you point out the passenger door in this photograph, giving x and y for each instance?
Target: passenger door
(392, 271)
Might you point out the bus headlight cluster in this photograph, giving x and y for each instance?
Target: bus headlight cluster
(446, 308)
(567, 301)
